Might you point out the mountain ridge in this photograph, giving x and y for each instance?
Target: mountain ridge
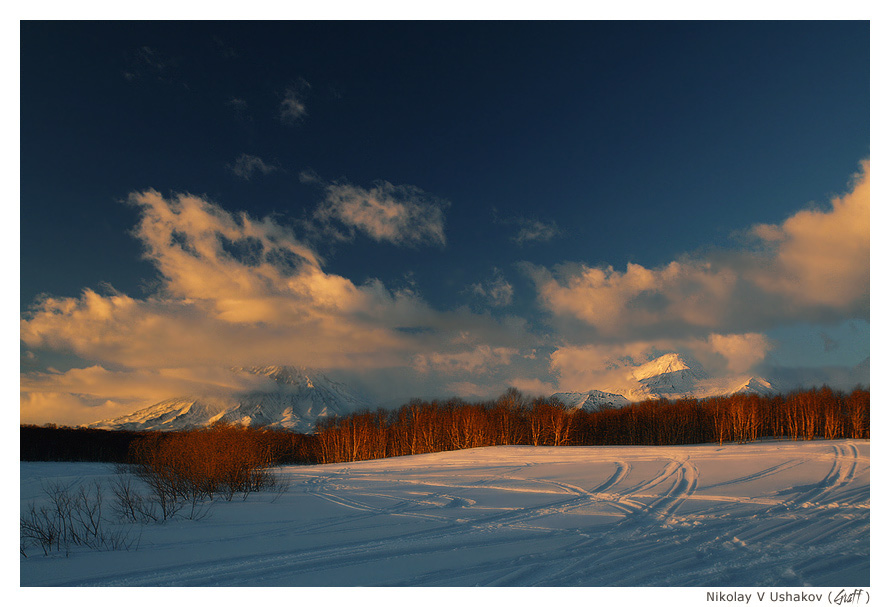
(294, 400)
(669, 376)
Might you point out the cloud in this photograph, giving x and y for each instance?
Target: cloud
(532, 386)
(234, 290)
(497, 292)
(481, 359)
(246, 165)
(838, 377)
(813, 266)
(610, 366)
(401, 215)
(638, 301)
(603, 367)
(532, 230)
(96, 393)
(470, 390)
(820, 258)
(742, 352)
(65, 408)
(292, 108)
(63, 397)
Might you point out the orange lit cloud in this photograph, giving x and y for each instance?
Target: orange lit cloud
(821, 258)
(234, 291)
(101, 393)
(813, 265)
(742, 352)
(693, 293)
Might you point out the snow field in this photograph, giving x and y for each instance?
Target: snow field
(775, 513)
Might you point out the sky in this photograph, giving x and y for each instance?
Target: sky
(438, 208)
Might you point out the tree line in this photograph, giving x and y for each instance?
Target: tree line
(511, 419)
(64, 443)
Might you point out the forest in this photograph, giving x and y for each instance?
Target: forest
(511, 419)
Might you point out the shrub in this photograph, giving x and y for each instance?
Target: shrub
(188, 467)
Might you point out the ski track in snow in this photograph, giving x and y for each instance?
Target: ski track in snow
(773, 513)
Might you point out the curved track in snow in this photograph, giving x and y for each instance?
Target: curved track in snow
(775, 513)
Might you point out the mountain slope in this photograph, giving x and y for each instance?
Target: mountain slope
(288, 397)
(669, 376)
(592, 400)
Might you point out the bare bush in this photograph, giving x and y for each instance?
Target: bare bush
(71, 518)
(129, 503)
(38, 526)
(183, 469)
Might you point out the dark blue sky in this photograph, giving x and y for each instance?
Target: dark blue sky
(640, 140)
(607, 142)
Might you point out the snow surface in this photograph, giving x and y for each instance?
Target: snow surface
(776, 513)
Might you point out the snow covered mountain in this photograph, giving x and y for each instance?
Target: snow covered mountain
(292, 398)
(669, 376)
(593, 400)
